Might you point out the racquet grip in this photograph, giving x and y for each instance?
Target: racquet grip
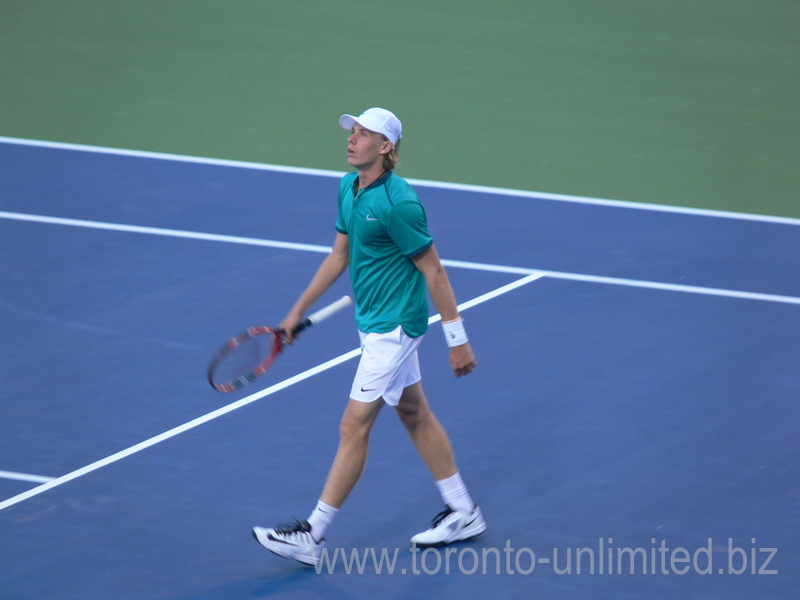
(325, 312)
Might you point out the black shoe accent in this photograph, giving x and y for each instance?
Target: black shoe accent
(296, 527)
(442, 516)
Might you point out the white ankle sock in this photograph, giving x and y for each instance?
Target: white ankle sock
(319, 520)
(455, 494)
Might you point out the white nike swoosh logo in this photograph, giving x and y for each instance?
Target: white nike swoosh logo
(371, 218)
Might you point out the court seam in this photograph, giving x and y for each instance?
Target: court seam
(175, 431)
(417, 182)
(601, 279)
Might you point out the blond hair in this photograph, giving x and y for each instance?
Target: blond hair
(392, 159)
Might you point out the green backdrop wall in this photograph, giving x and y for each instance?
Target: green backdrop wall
(681, 102)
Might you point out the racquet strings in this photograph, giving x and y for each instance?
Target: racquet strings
(246, 357)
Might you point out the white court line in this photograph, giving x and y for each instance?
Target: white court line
(178, 233)
(637, 283)
(25, 477)
(50, 484)
(420, 182)
(672, 287)
(448, 263)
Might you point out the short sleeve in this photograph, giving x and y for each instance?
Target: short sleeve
(407, 225)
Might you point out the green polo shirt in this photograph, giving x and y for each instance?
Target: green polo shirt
(386, 226)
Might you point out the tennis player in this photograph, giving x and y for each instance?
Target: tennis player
(382, 236)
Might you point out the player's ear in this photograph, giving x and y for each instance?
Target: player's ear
(386, 147)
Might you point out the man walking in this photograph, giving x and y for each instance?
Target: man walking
(382, 236)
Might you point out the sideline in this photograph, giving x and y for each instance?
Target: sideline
(458, 264)
(416, 182)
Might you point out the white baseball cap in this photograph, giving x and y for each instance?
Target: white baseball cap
(378, 120)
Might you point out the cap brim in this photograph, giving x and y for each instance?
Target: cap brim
(347, 121)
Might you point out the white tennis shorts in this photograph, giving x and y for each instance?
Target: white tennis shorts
(389, 364)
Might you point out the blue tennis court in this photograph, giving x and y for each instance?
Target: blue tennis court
(631, 430)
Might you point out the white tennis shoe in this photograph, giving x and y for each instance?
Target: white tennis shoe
(451, 526)
(291, 541)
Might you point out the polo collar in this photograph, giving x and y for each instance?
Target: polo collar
(377, 183)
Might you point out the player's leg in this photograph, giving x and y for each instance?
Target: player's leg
(303, 540)
(426, 432)
(461, 519)
(354, 430)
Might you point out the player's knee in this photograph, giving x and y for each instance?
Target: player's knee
(411, 415)
(353, 429)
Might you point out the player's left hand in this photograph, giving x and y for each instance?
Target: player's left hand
(462, 360)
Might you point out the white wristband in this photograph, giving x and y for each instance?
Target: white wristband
(454, 332)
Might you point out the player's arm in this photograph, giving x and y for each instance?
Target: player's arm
(462, 359)
(328, 272)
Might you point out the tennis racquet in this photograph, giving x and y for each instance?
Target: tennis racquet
(247, 356)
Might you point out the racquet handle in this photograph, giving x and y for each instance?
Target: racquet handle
(325, 312)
